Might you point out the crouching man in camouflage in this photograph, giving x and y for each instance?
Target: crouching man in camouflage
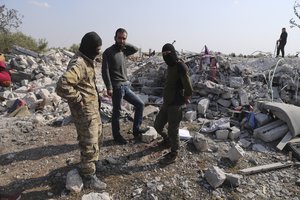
(77, 85)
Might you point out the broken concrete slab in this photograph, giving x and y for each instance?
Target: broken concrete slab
(286, 112)
(234, 180)
(235, 153)
(215, 176)
(273, 134)
(267, 127)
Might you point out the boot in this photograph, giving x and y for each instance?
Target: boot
(164, 144)
(169, 158)
(93, 182)
(120, 140)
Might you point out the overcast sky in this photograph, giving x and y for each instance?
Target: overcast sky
(227, 26)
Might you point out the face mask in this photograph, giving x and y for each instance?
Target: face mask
(90, 44)
(170, 59)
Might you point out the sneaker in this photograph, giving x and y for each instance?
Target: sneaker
(93, 182)
(120, 140)
(169, 158)
(141, 131)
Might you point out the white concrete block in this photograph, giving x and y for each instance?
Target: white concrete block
(150, 135)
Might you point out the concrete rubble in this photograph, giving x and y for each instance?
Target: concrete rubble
(249, 100)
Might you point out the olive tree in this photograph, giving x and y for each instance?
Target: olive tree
(293, 21)
(9, 19)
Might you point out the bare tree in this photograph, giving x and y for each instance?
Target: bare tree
(9, 19)
(293, 21)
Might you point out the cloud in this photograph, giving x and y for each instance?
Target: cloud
(40, 4)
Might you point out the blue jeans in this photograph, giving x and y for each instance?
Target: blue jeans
(124, 92)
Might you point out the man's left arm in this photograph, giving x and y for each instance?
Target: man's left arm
(186, 82)
(130, 49)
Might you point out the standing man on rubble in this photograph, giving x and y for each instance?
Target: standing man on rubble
(114, 73)
(281, 42)
(77, 85)
(177, 92)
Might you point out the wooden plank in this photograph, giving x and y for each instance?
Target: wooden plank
(263, 168)
(284, 141)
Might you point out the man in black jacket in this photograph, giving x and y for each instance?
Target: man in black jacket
(281, 42)
(177, 92)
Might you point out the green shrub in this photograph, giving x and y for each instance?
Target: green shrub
(7, 40)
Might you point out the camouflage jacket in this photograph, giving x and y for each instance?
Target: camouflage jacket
(78, 84)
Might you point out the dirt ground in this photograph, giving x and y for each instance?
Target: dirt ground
(36, 163)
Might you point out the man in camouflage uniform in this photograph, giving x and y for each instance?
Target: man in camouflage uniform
(77, 85)
(177, 91)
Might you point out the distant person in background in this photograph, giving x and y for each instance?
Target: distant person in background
(281, 42)
(5, 77)
(114, 73)
(177, 92)
(77, 85)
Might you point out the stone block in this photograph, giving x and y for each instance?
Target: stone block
(233, 179)
(243, 97)
(190, 115)
(222, 134)
(74, 182)
(150, 135)
(200, 142)
(215, 176)
(234, 133)
(203, 106)
(235, 153)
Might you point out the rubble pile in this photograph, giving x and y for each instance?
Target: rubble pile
(242, 102)
(234, 91)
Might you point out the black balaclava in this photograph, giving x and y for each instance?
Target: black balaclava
(171, 58)
(89, 44)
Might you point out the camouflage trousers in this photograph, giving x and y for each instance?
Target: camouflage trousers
(89, 136)
(171, 115)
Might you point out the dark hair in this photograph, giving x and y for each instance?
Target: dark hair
(120, 30)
